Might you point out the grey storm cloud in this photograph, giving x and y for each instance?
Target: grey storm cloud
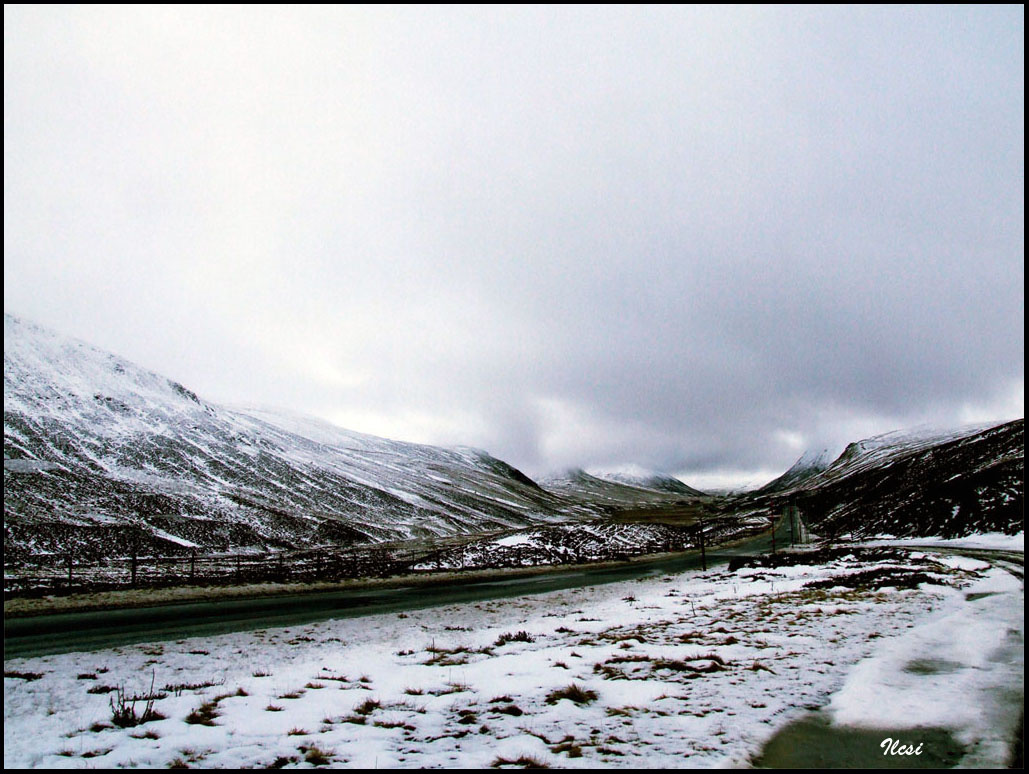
(694, 239)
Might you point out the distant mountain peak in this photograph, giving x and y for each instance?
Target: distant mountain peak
(629, 486)
(810, 463)
(638, 476)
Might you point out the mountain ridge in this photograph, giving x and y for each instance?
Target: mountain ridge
(912, 484)
(581, 486)
(132, 455)
(103, 457)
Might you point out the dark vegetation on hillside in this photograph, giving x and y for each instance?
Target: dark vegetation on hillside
(971, 485)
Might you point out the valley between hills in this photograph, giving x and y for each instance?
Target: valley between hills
(188, 584)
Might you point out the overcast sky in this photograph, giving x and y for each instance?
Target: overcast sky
(699, 240)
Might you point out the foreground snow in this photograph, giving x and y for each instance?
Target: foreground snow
(992, 541)
(690, 670)
(962, 669)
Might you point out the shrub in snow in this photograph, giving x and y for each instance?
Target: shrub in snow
(521, 636)
(123, 708)
(572, 692)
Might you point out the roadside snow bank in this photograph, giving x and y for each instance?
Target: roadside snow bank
(961, 669)
(995, 541)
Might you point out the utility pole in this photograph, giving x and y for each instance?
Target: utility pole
(793, 540)
(772, 517)
(703, 551)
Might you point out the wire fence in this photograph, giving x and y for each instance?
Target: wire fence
(67, 573)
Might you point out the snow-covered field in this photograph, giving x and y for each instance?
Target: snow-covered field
(994, 541)
(692, 670)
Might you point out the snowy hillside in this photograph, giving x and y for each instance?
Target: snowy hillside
(100, 454)
(633, 475)
(809, 464)
(916, 483)
(819, 466)
(618, 490)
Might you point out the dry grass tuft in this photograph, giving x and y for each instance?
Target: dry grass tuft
(524, 762)
(316, 756)
(204, 715)
(519, 636)
(574, 693)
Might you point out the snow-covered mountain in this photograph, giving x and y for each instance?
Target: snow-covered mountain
(100, 454)
(809, 464)
(918, 482)
(817, 467)
(618, 490)
(641, 478)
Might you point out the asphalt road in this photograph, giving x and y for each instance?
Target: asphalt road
(67, 632)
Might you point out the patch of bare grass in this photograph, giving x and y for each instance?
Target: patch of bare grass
(511, 709)
(367, 707)
(204, 715)
(519, 636)
(317, 756)
(177, 689)
(522, 762)
(26, 676)
(574, 693)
